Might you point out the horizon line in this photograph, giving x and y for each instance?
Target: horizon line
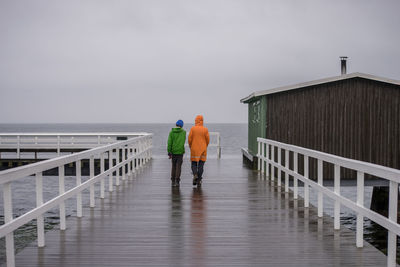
(114, 122)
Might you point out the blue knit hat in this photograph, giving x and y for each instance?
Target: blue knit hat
(179, 123)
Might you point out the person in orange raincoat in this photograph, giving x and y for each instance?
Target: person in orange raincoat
(198, 142)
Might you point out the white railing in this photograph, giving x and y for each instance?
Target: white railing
(267, 164)
(135, 153)
(213, 136)
(59, 141)
(78, 141)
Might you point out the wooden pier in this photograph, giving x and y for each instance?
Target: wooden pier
(237, 218)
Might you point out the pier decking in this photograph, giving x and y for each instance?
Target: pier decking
(235, 219)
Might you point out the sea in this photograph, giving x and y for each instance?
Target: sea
(233, 138)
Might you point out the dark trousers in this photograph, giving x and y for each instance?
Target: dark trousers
(198, 168)
(176, 167)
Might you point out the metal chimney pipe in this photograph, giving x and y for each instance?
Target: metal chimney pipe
(343, 65)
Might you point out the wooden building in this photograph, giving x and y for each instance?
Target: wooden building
(354, 115)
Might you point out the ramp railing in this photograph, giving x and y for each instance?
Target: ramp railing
(129, 156)
(273, 168)
(60, 141)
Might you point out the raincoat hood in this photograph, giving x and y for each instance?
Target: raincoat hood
(199, 120)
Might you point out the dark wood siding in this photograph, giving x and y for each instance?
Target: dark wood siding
(355, 118)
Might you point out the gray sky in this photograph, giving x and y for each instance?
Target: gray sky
(157, 61)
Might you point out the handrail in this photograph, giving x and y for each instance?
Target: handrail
(59, 141)
(135, 153)
(26, 170)
(374, 169)
(75, 134)
(267, 164)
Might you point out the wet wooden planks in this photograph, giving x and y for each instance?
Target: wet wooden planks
(235, 219)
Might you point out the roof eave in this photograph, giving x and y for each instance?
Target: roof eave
(317, 82)
(247, 98)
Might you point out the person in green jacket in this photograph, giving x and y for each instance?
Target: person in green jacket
(176, 149)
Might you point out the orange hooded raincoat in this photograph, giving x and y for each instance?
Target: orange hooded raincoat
(198, 140)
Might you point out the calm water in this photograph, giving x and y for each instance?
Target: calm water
(233, 137)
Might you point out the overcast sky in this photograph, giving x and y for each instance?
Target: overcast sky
(157, 61)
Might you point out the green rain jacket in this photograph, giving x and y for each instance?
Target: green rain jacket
(176, 141)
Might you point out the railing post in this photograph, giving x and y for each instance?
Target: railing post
(337, 191)
(138, 157)
(61, 185)
(148, 149)
(139, 154)
(79, 195)
(262, 157)
(139, 150)
(143, 153)
(116, 163)
(8, 217)
(151, 140)
(58, 146)
(123, 151)
(135, 160)
(18, 147)
(145, 146)
(320, 195)
(128, 162)
(39, 202)
(132, 160)
(280, 164)
(267, 171)
(91, 188)
(102, 171)
(295, 180)
(286, 173)
(273, 161)
(144, 149)
(136, 153)
(218, 146)
(259, 155)
(151, 150)
(131, 168)
(392, 237)
(306, 186)
(360, 202)
(110, 176)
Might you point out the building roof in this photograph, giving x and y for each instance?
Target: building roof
(317, 82)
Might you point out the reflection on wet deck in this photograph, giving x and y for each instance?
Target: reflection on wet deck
(235, 219)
